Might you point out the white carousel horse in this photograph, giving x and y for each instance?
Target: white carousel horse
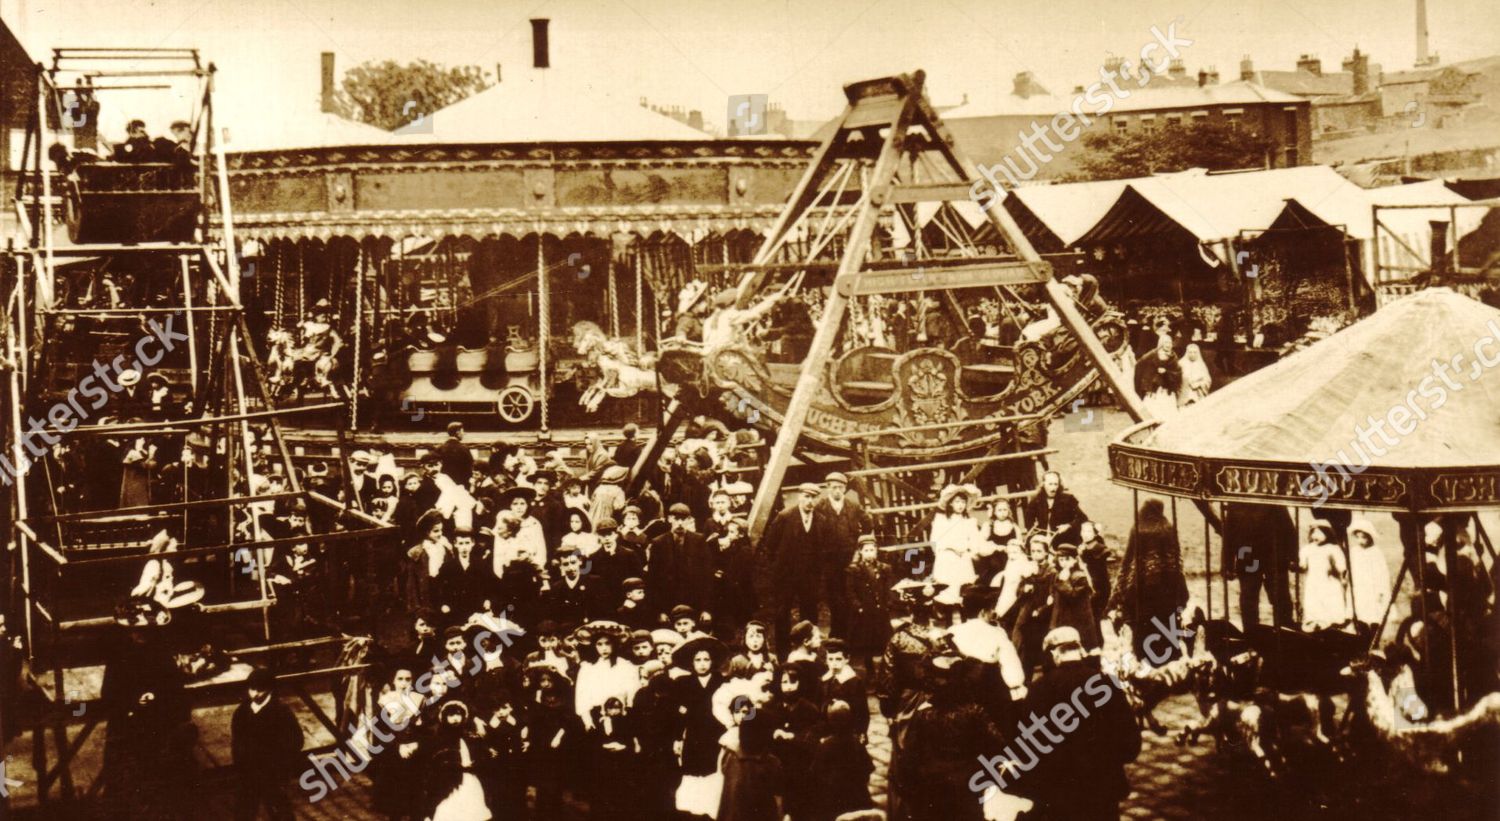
(280, 357)
(621, 372)
(294, 366)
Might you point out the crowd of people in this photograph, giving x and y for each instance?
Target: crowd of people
(573, 642)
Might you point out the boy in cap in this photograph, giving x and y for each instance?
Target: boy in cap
(266, 743)
(633, 612)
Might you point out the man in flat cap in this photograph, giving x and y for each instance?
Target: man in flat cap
(681, 567)
(266, 742)
(454, 456)
(847, 520)
(792, 548)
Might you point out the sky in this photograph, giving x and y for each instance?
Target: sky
(697, 53)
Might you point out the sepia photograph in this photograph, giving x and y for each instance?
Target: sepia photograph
(799, 410)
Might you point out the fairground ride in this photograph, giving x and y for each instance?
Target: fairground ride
(80, 549)
(890, 323)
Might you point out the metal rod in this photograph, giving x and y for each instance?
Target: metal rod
(148, 427)
(962, 423)
(949, 463)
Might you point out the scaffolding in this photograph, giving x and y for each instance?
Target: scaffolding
(168, 222)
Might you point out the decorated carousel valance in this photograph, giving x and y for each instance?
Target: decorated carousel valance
(641, 221)
(1398, 412)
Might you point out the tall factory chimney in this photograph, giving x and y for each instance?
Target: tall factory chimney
(539, 50)
(328, 92)
(1424, 58)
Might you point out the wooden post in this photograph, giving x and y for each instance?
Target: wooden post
(187, 297)
(811, 378)
(544, 322)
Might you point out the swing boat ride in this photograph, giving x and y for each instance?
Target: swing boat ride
(886, 214)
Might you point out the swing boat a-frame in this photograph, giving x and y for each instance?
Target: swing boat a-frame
(887, 211)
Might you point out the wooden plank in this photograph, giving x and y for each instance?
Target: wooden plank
(910, 280)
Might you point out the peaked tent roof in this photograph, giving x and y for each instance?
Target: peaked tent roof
(1214, 207)
(546, 105)
(1307, 406)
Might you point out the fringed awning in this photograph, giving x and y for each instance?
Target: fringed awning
(642, 221)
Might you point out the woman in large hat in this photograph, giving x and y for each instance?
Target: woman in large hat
(698, 745)
(955, 539)
(607, 675)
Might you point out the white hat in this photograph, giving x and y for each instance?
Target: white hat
(128, 377)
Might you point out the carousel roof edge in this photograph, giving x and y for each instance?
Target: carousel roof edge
(1134, 463)
(437, 151)
(689, 227)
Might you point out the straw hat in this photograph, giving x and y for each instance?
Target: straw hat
(945, 498)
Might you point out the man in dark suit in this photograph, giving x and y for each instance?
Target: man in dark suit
(629, 450)
(613, 562)
(1260, 547)
(266, 741)
(1055, 510)
(847, 521)
(681, 565)
(792, 547)
(1083, 776)
(454, 456)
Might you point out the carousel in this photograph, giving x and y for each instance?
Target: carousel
(516, 267)
(1297, 440)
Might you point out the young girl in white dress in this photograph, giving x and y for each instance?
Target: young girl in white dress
(955, 540)
(1325, 579)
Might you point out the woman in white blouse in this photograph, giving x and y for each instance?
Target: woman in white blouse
(955, 540)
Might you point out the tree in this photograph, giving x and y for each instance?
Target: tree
(1111, 155)
(390, 95)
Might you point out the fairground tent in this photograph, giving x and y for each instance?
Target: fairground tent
(1311, 405)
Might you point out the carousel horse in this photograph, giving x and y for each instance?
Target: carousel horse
(622, 373)
(296, 367)
(1398, 718)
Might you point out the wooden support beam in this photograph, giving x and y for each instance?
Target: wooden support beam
(942, 278)
(811, 377)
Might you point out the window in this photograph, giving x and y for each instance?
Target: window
(1122, 123)
(1148, 122)
(1174, 120)
(1232, 118)
(1199, 116)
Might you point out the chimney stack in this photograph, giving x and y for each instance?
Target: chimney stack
(695, 119)
(1247, 69)
(1176, 70)
(1310, 64)
(328, 91)
(1423, 57)
(540, 57)
(1358, 64)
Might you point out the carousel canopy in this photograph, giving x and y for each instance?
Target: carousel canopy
(546, 105)
(1283, 432)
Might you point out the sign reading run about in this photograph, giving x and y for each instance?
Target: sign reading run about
(1413, 489)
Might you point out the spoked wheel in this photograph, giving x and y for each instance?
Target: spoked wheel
(515, 404)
